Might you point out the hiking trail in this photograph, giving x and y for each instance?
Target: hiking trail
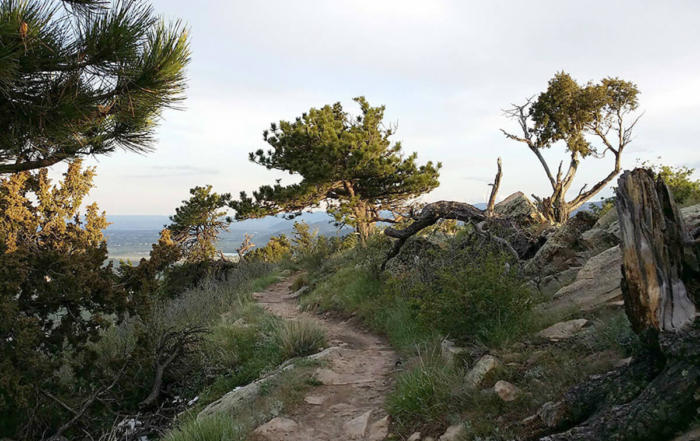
(350, 403)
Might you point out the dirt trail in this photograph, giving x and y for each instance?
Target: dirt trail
(349, 404)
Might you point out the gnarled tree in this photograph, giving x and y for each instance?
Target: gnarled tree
(656, 395)
(84, 77)
(350, 164)
(576, 114)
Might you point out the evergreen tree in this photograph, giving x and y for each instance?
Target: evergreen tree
(84, 77)
(348, 163)
(198, 222)
(56, 293)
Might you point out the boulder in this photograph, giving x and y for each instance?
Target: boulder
(356, 428)
(596, 284)
(506, 391)
(691, 435)
(414, 437)
(411, 255)
(454, 433)
(476, 375)
(563, 249)
(379, 430)
(563, 330)
(518, 205)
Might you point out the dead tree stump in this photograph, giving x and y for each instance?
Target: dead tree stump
(657, 395)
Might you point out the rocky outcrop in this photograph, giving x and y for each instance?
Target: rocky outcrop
(518, 205)
(596, 284)
(563, 250)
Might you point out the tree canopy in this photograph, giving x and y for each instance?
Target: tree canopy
(347, 162)
(84, 77)
(576, 114)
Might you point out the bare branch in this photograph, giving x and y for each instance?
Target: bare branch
(494, 190)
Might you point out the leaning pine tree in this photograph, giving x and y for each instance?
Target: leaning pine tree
(348, 163)
(84, 77)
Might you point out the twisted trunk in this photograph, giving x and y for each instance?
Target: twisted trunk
(655, 397)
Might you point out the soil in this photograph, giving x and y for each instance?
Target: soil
(350, 403)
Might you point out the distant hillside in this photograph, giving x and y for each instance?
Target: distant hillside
(131, 236)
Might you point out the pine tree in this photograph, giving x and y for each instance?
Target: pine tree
(84, 77)
(350, 164)
(197, 223)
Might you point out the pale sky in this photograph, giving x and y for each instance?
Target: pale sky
(444, 70)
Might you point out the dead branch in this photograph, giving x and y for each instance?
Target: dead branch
(172, 345)
(494, 190)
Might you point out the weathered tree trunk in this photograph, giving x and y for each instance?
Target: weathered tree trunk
(656, 396)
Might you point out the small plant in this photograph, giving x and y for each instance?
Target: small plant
(422, 395)
(297, 338)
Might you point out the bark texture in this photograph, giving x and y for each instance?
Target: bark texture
(656, 396)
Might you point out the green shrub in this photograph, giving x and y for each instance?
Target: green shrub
(215, 428)
(297, 338)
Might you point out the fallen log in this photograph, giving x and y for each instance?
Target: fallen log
(656, 396)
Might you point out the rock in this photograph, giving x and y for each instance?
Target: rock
(596, 284)
(563, 330)
(429, 438)
(623, 362)
(357, 427)
(550, 285)
(476, 375)
(450, 351)
(276, 428)
(506, 391)
(518, 205)
(230, 403)
(298, 293)
(414, 437)
(691, 435)
(563, 249)
(379, 430)
(552, 413)
(454, 433)
(314, 400)
(411, 255)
